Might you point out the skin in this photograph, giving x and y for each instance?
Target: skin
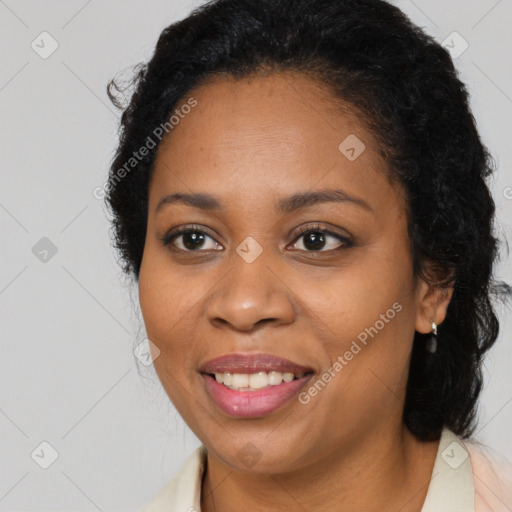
(250, 143)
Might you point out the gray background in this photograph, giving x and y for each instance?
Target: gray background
(69, 324)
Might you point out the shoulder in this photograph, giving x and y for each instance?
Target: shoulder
(492, 475)
(183, 492)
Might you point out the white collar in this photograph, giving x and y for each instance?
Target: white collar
(451, 487)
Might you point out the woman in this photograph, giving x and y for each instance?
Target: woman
(300, 193)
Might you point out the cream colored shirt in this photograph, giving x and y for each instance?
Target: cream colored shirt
(467, 477)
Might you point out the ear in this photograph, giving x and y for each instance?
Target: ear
(432, 304)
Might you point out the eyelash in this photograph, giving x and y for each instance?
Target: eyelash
(169, 237)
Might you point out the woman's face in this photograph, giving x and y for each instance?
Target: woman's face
(324, 282)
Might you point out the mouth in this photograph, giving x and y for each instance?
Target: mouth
(250, 386)
(255, 381)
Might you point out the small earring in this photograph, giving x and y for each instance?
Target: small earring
(432, 341)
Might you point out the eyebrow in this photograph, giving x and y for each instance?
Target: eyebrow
(289, 204)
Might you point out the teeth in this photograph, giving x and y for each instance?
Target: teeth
(258, 380)
(254, 381)
(240, 380)
(275, 378)
(288, 377)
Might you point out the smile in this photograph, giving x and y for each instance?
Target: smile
(249, 386)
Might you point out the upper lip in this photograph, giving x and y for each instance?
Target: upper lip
(252, 363)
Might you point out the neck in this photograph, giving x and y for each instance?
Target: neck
(387, 471)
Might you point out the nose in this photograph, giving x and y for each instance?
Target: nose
(250, 295)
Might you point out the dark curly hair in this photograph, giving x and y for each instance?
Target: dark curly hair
(404, 87)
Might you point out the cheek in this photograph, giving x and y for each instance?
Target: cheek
(164, 304)
(166, 295)
(368, 308)
(355, 297)
(172, 301)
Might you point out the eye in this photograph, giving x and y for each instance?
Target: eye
(190, 239)
(318, 239)
(311, 238)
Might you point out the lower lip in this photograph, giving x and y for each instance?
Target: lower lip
(252, 404)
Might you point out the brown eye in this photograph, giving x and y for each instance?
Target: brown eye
(320, 240)
(190, 239)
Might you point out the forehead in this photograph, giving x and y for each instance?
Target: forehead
(277, 132)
